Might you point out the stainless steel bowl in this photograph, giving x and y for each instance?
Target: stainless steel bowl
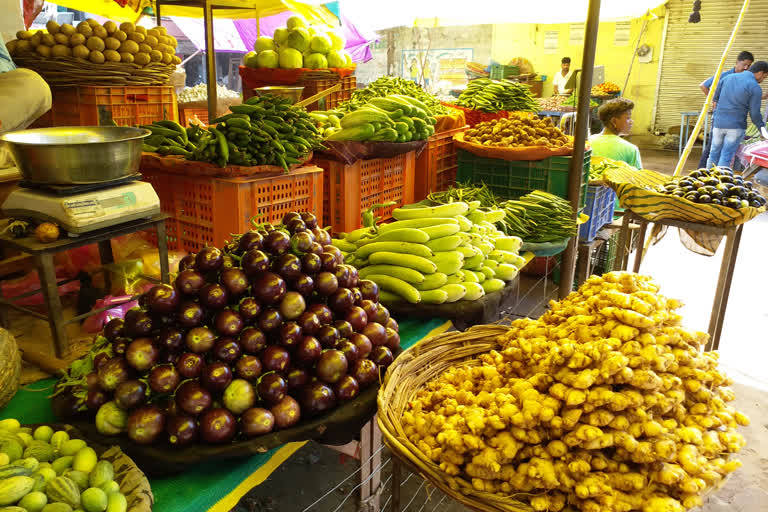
(292, 93)
(73, 155)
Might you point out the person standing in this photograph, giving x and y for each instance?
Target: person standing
(616, 116)
(561, 78)
(743, 62)
(737, 96)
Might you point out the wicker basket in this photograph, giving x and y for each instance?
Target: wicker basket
(410, 372)
(10, 367)
(71, 71)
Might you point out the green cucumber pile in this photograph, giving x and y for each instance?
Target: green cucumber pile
(46, 471)
(491, 96)
(435, 254)
(395, 118)
(265, 130)
(386, 86)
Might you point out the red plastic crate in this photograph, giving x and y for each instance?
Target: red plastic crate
(187, 113)
(97, 106)
(352, 189)
(437, 165)
(208, 210)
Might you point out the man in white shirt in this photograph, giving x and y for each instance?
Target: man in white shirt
(561, 78)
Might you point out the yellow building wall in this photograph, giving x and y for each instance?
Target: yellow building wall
(527, 40)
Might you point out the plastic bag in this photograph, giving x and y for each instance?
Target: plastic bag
(14, 287)
(121, 305)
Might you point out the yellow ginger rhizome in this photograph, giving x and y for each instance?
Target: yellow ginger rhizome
(605, 403)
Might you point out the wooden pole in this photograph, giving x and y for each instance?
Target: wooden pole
(711, 95)
(210, 55)
(580, 139)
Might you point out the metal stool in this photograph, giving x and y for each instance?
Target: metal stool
(685, 129)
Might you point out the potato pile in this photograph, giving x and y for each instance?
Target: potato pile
(98, 43)
(605, 403)
(521, 129)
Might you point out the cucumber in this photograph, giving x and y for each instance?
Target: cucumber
(412, 235)
(492, 264)
(354, 236)
(473, 205)
(506, 272)
(441, 230)
(416, 224)
(455, 292)
(396, 247)
(484, 246)
(475, 262)
(26, 438)
(343, 245)
(406, 274)
(469, 276)
(469, 251)
(508, 243)
(116, 502)
(479, 275)
(518, 261)
(432, 281)
(464, 223)
(398, 286)
(449, 262)
(434, 296)
(488, 272)
(474, 291)
(476, 216)
(444, 210)
(446, 243)
(389, 297)
(34, 501)
(493, 285)
(495, 215)
(456, 278)
(423, 265)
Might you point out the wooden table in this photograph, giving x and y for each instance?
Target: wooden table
(733, 239)
(43, 255)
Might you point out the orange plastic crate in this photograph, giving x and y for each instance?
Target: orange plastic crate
(187, 113)
(352, 189)
(208, 210)
(97, 106)
(437, 165)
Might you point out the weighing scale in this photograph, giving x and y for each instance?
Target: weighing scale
(84, 208)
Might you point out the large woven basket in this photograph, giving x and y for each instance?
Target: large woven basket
(410, 372)
(71, 71)
(10, 367)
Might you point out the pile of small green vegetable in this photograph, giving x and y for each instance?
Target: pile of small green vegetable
(387, 85)
(536, 217)
(491, 96)
(571, 101)
(396, 118)
(265, 130)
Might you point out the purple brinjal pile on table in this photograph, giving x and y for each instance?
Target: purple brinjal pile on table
(269, 330)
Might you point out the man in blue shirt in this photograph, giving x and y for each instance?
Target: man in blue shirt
(739, 94)
(743, 61)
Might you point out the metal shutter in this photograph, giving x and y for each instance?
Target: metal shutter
(692, 52)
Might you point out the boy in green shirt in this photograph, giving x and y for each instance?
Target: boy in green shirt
(616, 116)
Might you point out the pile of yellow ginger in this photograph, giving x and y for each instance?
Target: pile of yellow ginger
(605, 403)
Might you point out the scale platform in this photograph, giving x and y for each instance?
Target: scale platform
(85, 211)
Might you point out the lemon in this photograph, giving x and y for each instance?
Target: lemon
(80, 51)
(154, 33)
(35, 40)
(48, 40)
(11, 46)
(96, 57)
(110, 26)
(145, 48)
(111, 56)
(176, 60)
(162, 40)
(52, 27)
(141, 58)
(151, 41)
(100, 32)
(43, 51)
(136, 36)
(127, 27)
(93, 22)
(74, 40)
(24, 34)
(126, 57)
(61, 38)
(162, 29)
(111, 43)
(167, 58)
(85, 29)
(156, 56)
(172, 41)
(141, 30)
(22, 46)
(94, 43)
(120, 35)
(129, 46)
(67, 29)
(61, 51)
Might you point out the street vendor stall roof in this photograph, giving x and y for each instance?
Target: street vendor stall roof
(312, 10)
(430, 13)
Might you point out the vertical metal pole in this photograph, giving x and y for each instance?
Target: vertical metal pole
(579, 139)
(210, 58)
(158, 21)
